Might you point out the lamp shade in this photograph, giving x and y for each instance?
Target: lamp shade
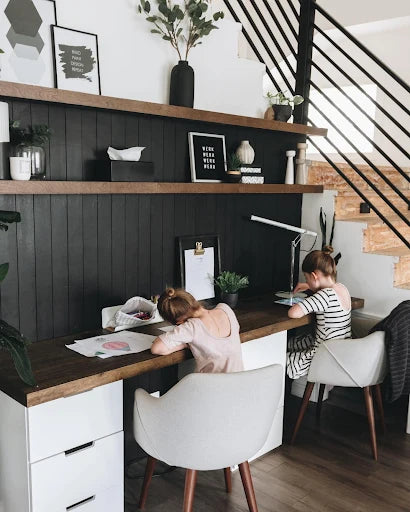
(4, 122)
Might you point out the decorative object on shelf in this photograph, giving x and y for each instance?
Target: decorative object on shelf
(120, 170)
(4, 141)
(20, 168)
(199, 263)
(129, 154)
(290, 171)
(323, 229)
(10, 338)
(280, 106)
(233, 174)
(248, 169)
(207, 155)
(301, 174)
(26, 39)
(76, 60)
(252, 179)
(230, 283)
(28, 143)
(246, 152)
(183, 25)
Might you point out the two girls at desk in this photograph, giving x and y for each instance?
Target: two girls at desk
(213, 335)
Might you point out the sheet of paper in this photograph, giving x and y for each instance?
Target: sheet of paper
(167, 328)
(289, 302)
(116, 344)
(199, 274)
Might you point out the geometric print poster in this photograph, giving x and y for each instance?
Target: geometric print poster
(25, 38)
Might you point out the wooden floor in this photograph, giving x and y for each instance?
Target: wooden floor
(328, 469)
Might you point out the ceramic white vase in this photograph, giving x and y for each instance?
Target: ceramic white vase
(245, 152)
(290, 170)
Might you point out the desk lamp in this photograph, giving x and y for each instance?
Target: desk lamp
(293, 246)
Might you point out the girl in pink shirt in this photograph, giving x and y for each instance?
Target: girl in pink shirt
(211, 335)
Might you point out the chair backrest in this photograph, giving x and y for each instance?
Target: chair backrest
(350, 362)
(209, 421)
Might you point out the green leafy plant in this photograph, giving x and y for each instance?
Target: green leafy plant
(234, 162)
(35, 135)
(280, 98)
(230, 282)
(183, 25)
(10, 338)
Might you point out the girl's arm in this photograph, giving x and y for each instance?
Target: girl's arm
(314, 304)
(295, 312)
(159, 348)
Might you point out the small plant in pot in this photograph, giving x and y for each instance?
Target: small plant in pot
(29, 142)
(10, 338)
(281, 106)
(233, 174)
(230, 283)
(182, 24)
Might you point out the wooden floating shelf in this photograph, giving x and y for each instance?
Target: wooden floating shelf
(33, 92)
(106, 187)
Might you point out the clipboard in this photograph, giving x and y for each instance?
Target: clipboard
(199, 261)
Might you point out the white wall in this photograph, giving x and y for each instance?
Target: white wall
(136, 64)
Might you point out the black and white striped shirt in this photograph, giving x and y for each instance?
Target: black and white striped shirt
(332, 321)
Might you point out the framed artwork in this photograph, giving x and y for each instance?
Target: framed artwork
(25, 38)
(76, 60)
(207, 155)
(199, 263)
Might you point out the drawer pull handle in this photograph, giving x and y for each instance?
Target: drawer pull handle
(85, 446)
(81, 503)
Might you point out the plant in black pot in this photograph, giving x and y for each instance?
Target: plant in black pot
(10, 338)
(29, 142)
(281, 106)
(182, 25)
(233, 174)
(230, 283)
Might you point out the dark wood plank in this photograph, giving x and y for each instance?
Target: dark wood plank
(92, 313)
(75, 263)
(104, 252)
(157, 262)
(40, 115)
(74, 144)
(144, 247)
(58, 150)
(118, 248)
(132, 242)
(88, 142)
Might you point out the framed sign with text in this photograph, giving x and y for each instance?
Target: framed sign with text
(207, 155)
(76, 60)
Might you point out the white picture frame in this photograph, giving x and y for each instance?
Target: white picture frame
(207, 156)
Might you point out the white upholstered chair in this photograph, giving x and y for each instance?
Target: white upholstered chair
(206, 422)
(349, 363)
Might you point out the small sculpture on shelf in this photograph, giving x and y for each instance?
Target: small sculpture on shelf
(280, 106)
(290, 170)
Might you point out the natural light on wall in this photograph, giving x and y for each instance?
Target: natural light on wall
(341, 122)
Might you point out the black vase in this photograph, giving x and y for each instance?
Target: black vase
(181, 92)
(282, 112)
(230, 298)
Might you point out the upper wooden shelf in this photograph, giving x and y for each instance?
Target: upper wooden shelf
(33, 92)
(107, 187)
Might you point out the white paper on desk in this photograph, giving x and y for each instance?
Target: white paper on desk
(199, 273)
(116, 344)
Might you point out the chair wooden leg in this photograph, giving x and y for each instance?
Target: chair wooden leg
(246, 477)
(228, 479)
(379, 404)
(303, 407)
(190, 482)
(370, 417)
(149, 471)
(320, 401)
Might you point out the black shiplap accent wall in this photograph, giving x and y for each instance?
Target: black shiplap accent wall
(72, 255)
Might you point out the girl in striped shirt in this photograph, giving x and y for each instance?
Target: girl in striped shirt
(330, 302)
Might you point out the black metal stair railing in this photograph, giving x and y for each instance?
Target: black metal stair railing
(295, 25)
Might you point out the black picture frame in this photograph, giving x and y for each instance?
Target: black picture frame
(207, 154)
(59, 81)
(189, 242)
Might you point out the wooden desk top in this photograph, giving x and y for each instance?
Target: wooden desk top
(61, 372)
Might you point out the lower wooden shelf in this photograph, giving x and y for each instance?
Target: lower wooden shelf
(104, 187)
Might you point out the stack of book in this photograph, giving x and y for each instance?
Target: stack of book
(251, 174)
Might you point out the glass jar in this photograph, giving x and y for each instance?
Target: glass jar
(37, 156)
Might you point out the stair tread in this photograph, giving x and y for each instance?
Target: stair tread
(391, 251)
(404, 286)
(372, 219)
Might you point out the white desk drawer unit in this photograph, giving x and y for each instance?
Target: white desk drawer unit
(64, 455)
(65, 423)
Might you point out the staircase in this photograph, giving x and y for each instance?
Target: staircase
(377, 237)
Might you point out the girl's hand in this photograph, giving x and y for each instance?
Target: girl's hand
(301, 287)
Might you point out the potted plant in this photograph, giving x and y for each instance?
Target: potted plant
(230, 283)
(29, 142)
(233, 174)
(10, 338)
(280, 106)
(183, 26)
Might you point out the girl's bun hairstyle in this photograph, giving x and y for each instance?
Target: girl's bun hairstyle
(320, 260)
(176, 303)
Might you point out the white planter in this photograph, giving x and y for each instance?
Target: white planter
(245, 152)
